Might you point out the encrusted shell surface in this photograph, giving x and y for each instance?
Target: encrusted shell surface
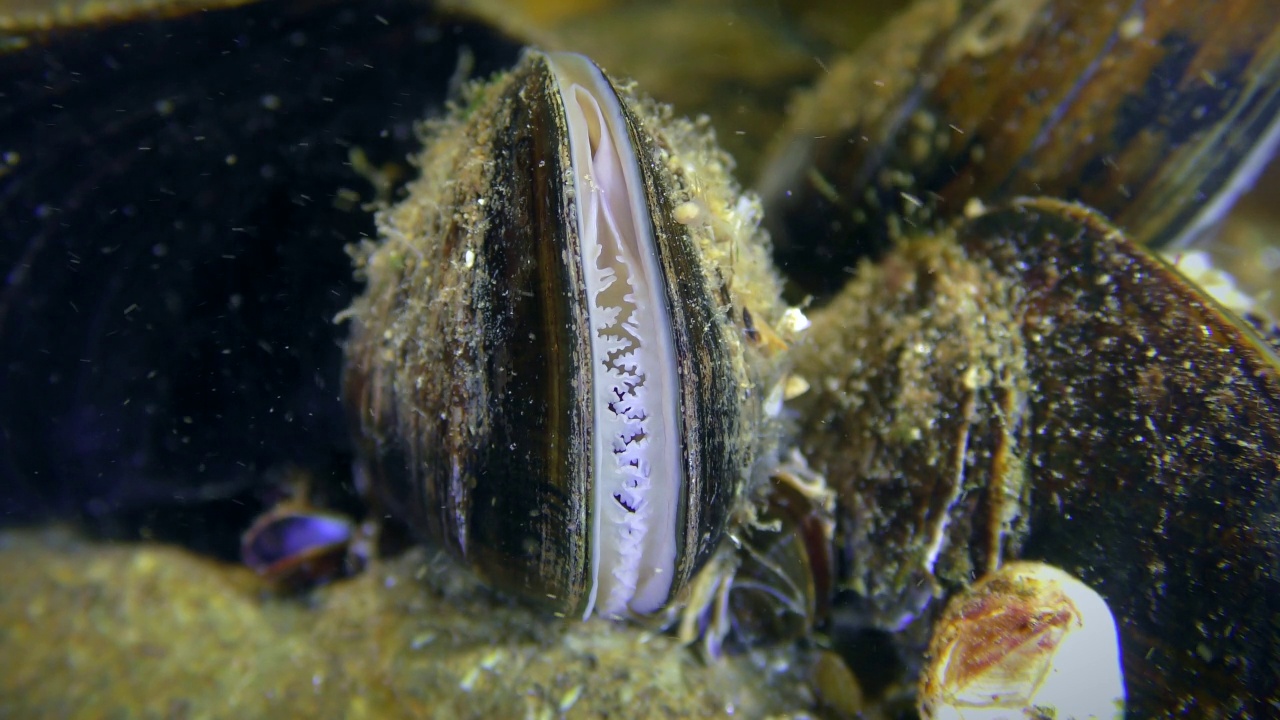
(1033, 385)
(1155, 115)
(470, 362)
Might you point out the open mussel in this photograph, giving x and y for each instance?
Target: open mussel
(1034, 385)
(1155, 115)
(561, 365)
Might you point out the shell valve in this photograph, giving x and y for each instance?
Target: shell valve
(550, 372)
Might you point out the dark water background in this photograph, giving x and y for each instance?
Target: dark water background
(176, 200)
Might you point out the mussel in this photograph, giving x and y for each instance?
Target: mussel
(1033, 385)
(561, 368)
(175, 207)
(1155, 115)
(1028, 640)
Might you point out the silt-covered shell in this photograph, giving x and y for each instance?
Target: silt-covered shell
(515, 377)
(1047, 390)
(1156, 115)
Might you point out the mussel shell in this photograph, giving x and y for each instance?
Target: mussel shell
(1154, 457)
(1155, 115)
(298, 547)
(469, 359)
(1143, 421)
(1025, 641)
(917, 415)
(172, 234)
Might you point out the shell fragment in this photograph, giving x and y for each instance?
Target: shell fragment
(1027, 641)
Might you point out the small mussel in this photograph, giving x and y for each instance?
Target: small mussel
(1033, 385)
(563, 365)
(297, 547)
(297, 544)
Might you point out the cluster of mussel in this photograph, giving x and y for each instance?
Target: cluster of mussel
(574, 368)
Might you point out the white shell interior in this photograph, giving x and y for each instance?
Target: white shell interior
(1066, 669)
(637, 453)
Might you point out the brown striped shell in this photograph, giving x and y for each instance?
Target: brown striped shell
(560, 366)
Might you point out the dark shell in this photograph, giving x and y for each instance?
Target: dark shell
(468, 364)
(172, 233)
(916, 415)
(1155, 115)
(1154, 457)
(1142, 421)
(1027, 640)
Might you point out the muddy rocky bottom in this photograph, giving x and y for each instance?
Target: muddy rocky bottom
(151, 631)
